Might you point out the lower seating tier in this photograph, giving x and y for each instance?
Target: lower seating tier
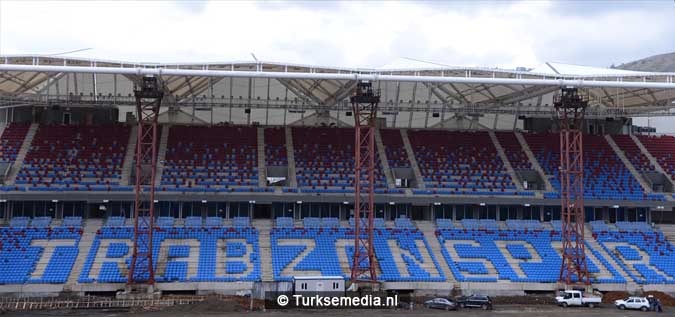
(400, 254)
(514, 255)
(232, 254)
(37, 255)
(223, 254)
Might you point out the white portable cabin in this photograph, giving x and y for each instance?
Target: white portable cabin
(318, 284)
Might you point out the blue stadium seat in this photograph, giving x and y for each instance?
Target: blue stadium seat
(193, 221)
(482, 244)
(237, 258)
(18, 258)
(284, 222)
(325, 257)
(115, 221)
(661, 266)
(72, 221)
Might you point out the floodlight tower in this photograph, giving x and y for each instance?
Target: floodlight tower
(148, 101)
(364, 106)
(570, 107)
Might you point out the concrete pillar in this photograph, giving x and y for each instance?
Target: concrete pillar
(541, 213)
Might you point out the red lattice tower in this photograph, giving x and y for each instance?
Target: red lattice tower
(364, 106)
(148, 102)
(570, 107)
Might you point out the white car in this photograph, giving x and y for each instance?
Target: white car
(640, 303)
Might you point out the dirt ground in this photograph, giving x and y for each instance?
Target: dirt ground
(218, 309)
(532, 305)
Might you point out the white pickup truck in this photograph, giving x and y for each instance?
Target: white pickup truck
(577, 298)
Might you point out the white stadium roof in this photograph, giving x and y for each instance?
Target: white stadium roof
(407, 86)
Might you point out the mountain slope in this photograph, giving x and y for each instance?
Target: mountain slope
(656, 63)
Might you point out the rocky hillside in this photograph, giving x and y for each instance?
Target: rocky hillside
(656, 63)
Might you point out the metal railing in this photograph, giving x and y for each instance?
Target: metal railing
(30, 304)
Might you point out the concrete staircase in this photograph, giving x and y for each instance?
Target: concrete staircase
(88, 234)
(412, 159)
(2, 128)
(596, 246)
(129, 156)
(505, 159)
(533, 161)
(290, 155)
(161, 153)
(264, 227)
(262, 170)
(649, 155)
(668, 231)
(645, 186)
(653, 161)
(25, 146)
(428, 228)
(383, 160)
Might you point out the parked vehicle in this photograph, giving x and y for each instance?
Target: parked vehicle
(640, 303)
(475, 301)
(441, 303)
(577, 298)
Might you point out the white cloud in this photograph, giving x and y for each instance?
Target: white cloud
(365, 34)
(344, 34)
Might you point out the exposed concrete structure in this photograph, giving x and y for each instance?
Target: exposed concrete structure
(18, 162)
(622, 156)
(290, 156)
(262, 170)
(533, 161)
(384, 162)
(413, 161)
(129, 156)
(505, 160)
(161, 152)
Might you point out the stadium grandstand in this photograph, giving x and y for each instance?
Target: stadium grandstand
(254, 176)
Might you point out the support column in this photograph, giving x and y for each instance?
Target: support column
(148, 102)
(570, 107)
(364, 106)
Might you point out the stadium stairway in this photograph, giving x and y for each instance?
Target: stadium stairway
(129, 157)
(2, 128)
(668, 231)
(630, 268)
(505, 159)
(649, 156)
(534, 162)
(413, 161)
(18, 162)
(88, 234)
(428, 228)
(593, 243)
(262, 170)
(652, 160)
(264, 226)
(383, 160)
(622, 156)
(290, 156)
(161, 153)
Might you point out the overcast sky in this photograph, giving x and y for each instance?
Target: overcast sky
(372, 34)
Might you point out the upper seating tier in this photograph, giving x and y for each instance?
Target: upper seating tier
(218, 159)
(75, 157)
(324, 161)
(605, 175)
(460, 162)
(11, 140)
(663, 149)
